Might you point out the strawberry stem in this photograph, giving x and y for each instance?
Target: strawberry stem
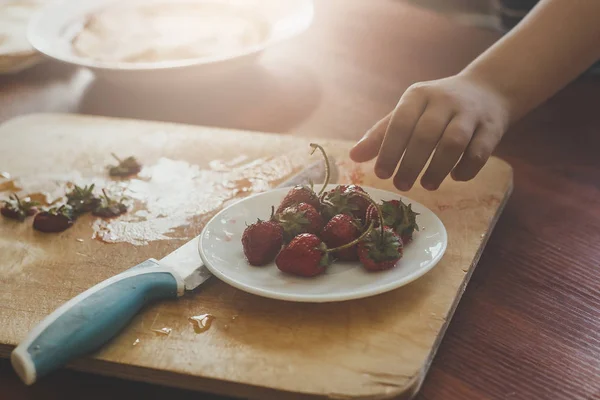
(116, 158)
(327, 202)
(108, 200)
(18, 201)
(355, 241)
(377, 208)
(327, 169)
(272, 213)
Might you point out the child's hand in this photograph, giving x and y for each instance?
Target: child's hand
(458, 117)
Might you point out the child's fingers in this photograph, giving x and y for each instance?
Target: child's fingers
(403, 121)
(368, 147)
(423, 141)
(454, 141)
(484, 141)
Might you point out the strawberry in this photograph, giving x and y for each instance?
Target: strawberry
(398, 216)
(301, 218)
(360, 202)
(12, 213)
(262, 241)
(345, 199)
(82, 199)
(18, 209)
(54, 220)
(307, 255)
(380, 250)
(305, 194)
(342, 229)
(297, 195)
(409, 224)
(127, 167)
(109, 208)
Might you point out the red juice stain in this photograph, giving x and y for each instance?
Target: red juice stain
(9, 186)
(357, 176)
(39, 197)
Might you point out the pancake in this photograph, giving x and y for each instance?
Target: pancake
(143, 33)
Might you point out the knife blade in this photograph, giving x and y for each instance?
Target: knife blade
(186, 258)
(86, 322)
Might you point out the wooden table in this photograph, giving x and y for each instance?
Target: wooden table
(528, 326)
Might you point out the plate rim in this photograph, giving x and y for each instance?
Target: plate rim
(323, 298)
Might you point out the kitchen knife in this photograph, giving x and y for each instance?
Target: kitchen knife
(86, 322)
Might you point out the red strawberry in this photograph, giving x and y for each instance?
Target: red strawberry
(301, 218)
(18, 209)
(407, 228)
(345, 199)
(11, 213)
(381, 248)
(82, 199)
(54, 220)
(127, 167)
(306, 255)
(398, 216)
(297, 195)
(342, 229)
(262, 241)
(378, 252)
(361, 203)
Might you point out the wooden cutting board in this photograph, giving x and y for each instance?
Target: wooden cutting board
(380, 347)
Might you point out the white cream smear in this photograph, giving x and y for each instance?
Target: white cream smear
(167, 31)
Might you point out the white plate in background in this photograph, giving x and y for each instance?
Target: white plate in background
(16, 53)
(52, 30)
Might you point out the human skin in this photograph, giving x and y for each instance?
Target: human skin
(458, 121)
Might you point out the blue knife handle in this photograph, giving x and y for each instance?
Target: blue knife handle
(89, 320)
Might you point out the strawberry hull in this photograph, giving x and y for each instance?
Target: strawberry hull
(301, 218)
(380, 250)
(370, 265)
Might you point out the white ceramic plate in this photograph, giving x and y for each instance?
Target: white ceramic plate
(53, 29)
(221, 250)
(16, 53)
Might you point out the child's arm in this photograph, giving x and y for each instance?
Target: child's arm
(463, 117)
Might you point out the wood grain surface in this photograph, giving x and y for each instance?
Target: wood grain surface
(527, 327)
(372, 348)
